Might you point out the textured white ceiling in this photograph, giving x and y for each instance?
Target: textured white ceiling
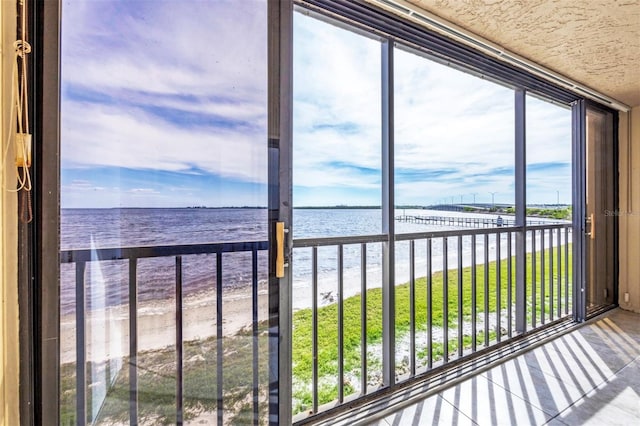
(594, 42)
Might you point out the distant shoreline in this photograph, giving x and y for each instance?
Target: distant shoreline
(243, 208)
(564, 213)
(166, 208)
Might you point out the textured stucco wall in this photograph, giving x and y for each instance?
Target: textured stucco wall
(594, 42)
(629, 166)
(9, 343)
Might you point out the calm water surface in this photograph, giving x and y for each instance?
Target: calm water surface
(107, 281)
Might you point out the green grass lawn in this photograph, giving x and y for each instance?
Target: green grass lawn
(328, 320)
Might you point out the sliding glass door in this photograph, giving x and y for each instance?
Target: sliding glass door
(600, 209)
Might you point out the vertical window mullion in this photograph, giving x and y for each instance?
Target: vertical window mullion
(578, 123)
(388, 225)
(521, 209)
(280, 129)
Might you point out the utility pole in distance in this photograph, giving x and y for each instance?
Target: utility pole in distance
(493, 202)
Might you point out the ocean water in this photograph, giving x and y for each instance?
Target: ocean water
(107, 281)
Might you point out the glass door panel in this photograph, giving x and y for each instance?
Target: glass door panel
(336, 199)
(164, 222)
(549, 203)
(601, 204)
(454, 174)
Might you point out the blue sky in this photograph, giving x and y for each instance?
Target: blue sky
(165, 106)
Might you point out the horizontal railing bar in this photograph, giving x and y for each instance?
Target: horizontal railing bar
(376, 238)
(120, 253)
(551, 226)
(454, 233)
(334, 241)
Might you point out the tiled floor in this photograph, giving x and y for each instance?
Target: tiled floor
(590, 376)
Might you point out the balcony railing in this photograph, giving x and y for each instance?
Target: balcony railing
(458, 298)
(133, 255)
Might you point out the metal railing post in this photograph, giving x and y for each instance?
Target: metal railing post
(133, 341)
(81, 349)
(179, 345)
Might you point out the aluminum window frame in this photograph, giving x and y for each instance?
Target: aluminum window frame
(393, 31)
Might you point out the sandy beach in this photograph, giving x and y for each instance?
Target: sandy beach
(107, 331)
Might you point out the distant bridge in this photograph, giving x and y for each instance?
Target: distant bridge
(468, 206)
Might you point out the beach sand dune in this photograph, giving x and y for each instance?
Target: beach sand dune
(107, 329)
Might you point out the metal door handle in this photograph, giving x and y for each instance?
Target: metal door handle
(592, 226)
(279, 249)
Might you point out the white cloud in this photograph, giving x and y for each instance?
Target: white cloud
(337, 111)
(82, 186)
(198, 48)
(124, 60)
(143, 191)
(548, 132)
(98, 135)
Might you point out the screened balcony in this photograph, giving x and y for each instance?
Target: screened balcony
(321, 212)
